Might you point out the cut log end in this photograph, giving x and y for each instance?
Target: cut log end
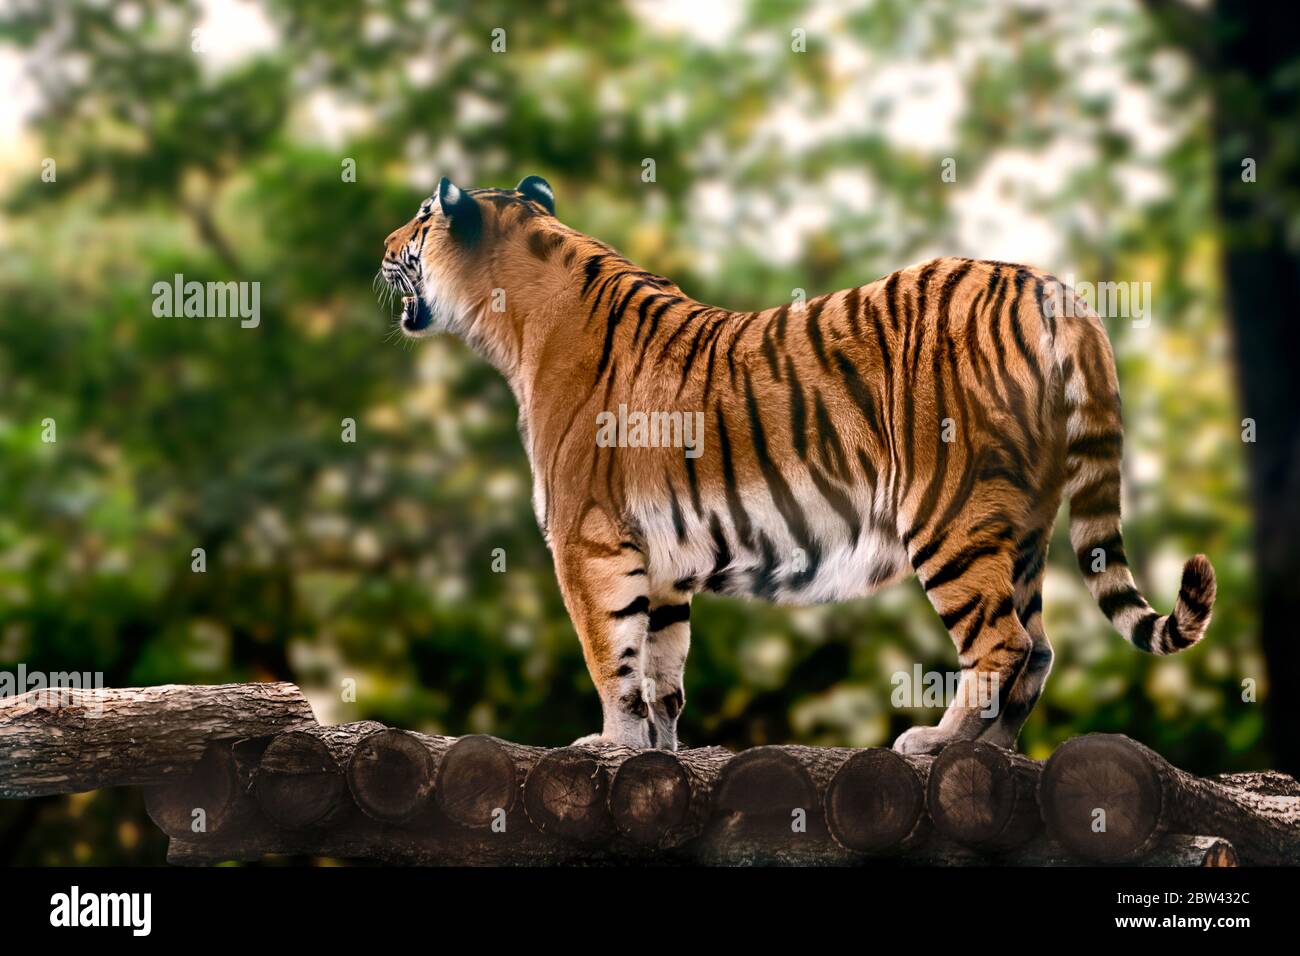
(477, 780)
(761, 791)
(983, 797)
(650, 796)
(391, 775)
(566, 794)
(874, 801)
(1101, 797)
(299, 783)
(201, 799)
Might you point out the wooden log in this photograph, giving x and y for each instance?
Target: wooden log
(762, 789)
(566, 793)
(300, 780)
(875, 803)
(203, 798)
(68, 741)
(983, 796)
(214, 797)
(661, 799)
(768, 810)
(1106, 797)
(390, 773)
(481, 779)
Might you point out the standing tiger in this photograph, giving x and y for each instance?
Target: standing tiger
(930, 421)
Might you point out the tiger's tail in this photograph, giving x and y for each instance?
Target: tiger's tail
(1094, 449)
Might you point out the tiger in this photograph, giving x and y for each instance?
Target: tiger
(927, 423)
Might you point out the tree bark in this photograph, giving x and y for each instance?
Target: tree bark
(68, 741)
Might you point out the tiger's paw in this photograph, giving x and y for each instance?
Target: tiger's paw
(921, 740)
(633, 741)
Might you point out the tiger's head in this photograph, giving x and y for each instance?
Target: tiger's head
(436, 261)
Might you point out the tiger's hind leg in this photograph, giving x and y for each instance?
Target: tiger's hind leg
(1031, 555)
(971, 586)
(667, 642)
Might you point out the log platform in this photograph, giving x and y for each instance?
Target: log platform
(240, 771)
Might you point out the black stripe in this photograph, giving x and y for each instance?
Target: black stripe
(690, 317)
(666, 615)
(1143, 631)
(782, 314)
(693, 480)
(838, 500)
(859, 391)
(1002, 610)
(717, 578)
(640, 605)
(1026, 550)
(927, 551)
(695, 349)
(764, 583)
(815, 333)
(853, 308)
(1106, 446)
(739, 517)
(1032, 607)
(679, 522)
(784, 499)
(1173, 636)
(1098, 499)
(957, 615)
(798, 411)
(1112, 552)
(829, 437)
(769, 353)
(1114, 602)
(592, 270)
(958, 565)
(868, 469)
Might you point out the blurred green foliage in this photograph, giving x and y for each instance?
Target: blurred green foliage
(371, 561)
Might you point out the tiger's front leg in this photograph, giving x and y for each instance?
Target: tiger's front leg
(602, 575)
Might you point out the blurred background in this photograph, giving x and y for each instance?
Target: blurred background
(795, 145)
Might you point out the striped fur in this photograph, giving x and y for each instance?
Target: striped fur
(929, 422)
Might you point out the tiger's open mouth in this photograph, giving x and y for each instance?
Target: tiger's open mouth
(416, 314)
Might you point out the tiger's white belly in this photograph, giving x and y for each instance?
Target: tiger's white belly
(829, 564)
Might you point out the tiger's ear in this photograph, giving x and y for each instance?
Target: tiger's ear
(461, 210)
(539, 191)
